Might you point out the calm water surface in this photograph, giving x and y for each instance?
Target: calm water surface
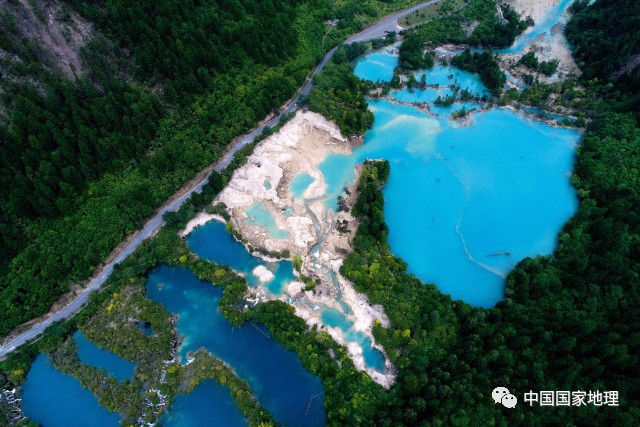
(465, 204)
(212, 241)
(54, 399)
(262, 217)
(450, 76)
(209, 404)
(373, 358)
(95, 356)
(276, 376)
(299, 184)
(376, 66)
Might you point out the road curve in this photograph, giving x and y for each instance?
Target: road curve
(385, 26)
(377, 30)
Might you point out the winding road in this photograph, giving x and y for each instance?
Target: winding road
(378, 30)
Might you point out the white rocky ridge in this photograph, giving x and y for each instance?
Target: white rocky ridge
(300, 146)
(263, 274)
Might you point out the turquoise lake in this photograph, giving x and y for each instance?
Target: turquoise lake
(212, 241)
(54, 399)
(450, 76)
(544, 114)
(373, 358)
(209, 404)
(419, 96)
(90, 354)
(276, 376)
(465, 204)
(429, 95)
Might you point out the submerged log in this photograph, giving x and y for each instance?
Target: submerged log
(507, 253)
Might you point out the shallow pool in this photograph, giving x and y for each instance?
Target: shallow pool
(90, 354)
(376, 66)
(260, 216)
(451, 76)
(299, 184)
(373, 358)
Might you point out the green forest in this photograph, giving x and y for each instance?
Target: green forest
(530, 60)
(167, 87)
(485, 65)
(606, 46)
(569, 321)
(490, 31)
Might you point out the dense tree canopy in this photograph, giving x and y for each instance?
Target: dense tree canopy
(604, 36)
(485, 65)
(340, 96)
(489, 30)
(606, 45)
(569, 321)
(412, 55)
(167, 85)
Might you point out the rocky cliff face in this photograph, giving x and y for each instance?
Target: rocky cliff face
(37, 36)
(54, 31)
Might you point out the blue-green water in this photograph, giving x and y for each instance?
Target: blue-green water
(53, 399)
(429, 95)
(418, 96)
(457, 196)
(212, 241)
(299, 184)
(262, 217)
(456, 106)
(449, 76)
(259, 215)
(90, 354)
(276, 376)
(376, 66)
(554, 15)
(267, 185)
(373, 358)
(208, 405)
(545, 114)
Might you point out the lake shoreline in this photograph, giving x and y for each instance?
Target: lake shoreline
(311, 228)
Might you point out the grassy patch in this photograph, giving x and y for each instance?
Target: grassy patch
(430, 12)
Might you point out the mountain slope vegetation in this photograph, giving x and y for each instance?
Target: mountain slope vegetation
(108, 108)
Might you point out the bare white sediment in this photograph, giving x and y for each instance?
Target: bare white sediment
(531, 8)
(300, 146)
(200, 219)
(546, 48)
(263, 274)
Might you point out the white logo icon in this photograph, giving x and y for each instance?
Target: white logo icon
(509, 401)
(502, 395)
